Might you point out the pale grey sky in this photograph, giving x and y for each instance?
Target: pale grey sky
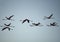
(34, 10)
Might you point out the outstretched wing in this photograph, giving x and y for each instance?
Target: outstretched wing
(50, 15)
(28, 20)
(4, 28)
(8, 24)
(23, 21)
(11, 16)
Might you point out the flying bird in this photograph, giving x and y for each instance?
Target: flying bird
(36, 24)
(6, 28)
(53, 24)
(9, 18)
(7, 24)
(49, 17)
(25, 21)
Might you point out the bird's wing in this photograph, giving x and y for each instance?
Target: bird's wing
(28, 20)
(8, 24)
(51, 15)
(24, 21)
(11, 16)
(4, 28)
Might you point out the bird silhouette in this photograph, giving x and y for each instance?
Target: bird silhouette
(53, 24)
(6, 28)
(26, 20)
(9, 18)
(7, 24)
(36, 24)
(49, 17)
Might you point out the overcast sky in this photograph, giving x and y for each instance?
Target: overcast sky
(34, 10)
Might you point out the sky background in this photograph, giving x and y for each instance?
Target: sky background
(34, 10)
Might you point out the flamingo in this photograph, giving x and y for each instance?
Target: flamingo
(49, 17)
(25, 21)
(9, 18)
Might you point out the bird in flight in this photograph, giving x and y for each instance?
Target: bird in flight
(53, 24)
(28, 21)
(8, 18)
(7, 26)
(49, 17)
(36, 24)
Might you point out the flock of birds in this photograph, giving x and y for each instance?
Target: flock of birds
(7, 26)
